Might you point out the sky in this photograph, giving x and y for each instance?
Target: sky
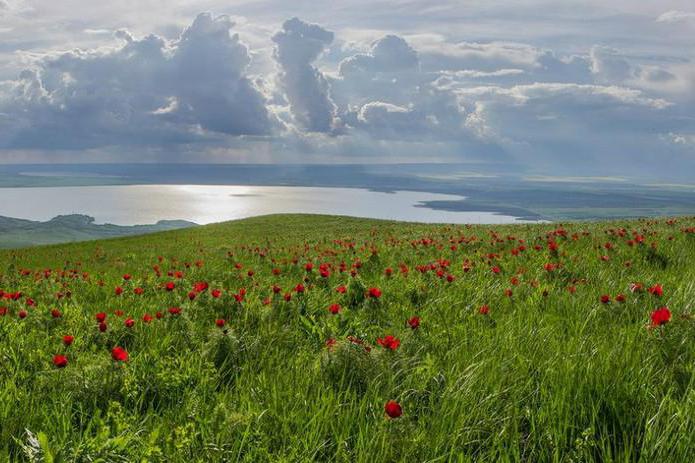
(554, 87)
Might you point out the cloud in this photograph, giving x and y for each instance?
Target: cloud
(388, 54)
(674, 16)
(298, 45)
(146, 90)
(609, 66)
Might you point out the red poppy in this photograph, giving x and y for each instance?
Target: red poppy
(174, 310)
(102, 327)
(620, 298)
(101, 316)
(119, 354)
(138, 291)
(656, 290)
(68, 340)
(374, 293)
(118, 291)
(219, 323)
(605, 299)
(147, 318)
(60, 361)
(170, 286)
(661, 316)
(389, 342)
(126, 277)
(414, 322)
(393, 409)
(55, 313)
(334, 309)
(484, 309)
(129, 323)
(22, 314)
(216, 293)
(341, 289)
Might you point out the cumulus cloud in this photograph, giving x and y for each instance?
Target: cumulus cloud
(146, 90)
(298, 45)
(388, 54)
(609, 66)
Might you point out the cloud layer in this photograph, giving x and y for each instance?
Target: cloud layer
(409, 87)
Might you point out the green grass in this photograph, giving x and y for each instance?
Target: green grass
(547, 375)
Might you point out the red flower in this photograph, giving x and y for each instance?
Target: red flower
(119, 354)
(126, 277)
(138, 291)
(118, 291)
(102, 327)
(55, 313)
(620, 298)
(129, 323)
(216, 293)
(330, 343)
(393, 409)
(389, 342)
(334, 309)
(341, 289)
(661, 316)
(170, 286)
(484, 310)
(299, 288)
(414, 322)
(147, 318)
(200, 287)
(60, 361)
(219, 323)
(374, 293)
(101, 316)
(22, 314)
(605, 299)
(656, 290)
(67, 339)
(174, 311)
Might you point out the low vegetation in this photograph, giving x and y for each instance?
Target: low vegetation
(317, 338)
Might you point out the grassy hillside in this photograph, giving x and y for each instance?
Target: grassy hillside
(17, 233)
(293, 338)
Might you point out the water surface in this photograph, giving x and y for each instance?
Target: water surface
(202, 204)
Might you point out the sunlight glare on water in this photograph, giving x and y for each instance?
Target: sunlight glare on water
(142, 204)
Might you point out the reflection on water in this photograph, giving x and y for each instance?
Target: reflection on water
(140, 204)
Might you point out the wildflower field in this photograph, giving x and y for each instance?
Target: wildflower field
(318, 338)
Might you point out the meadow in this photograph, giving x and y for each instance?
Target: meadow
(321, 338)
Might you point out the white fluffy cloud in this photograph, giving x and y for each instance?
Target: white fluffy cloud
(298, 45)
(146, 90)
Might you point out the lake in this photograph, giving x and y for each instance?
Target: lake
(202, 204)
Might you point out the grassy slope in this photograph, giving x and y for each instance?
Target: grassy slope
(15, 233)
(555, 378)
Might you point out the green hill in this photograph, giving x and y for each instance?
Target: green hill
(318, 338)
(16, 233)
